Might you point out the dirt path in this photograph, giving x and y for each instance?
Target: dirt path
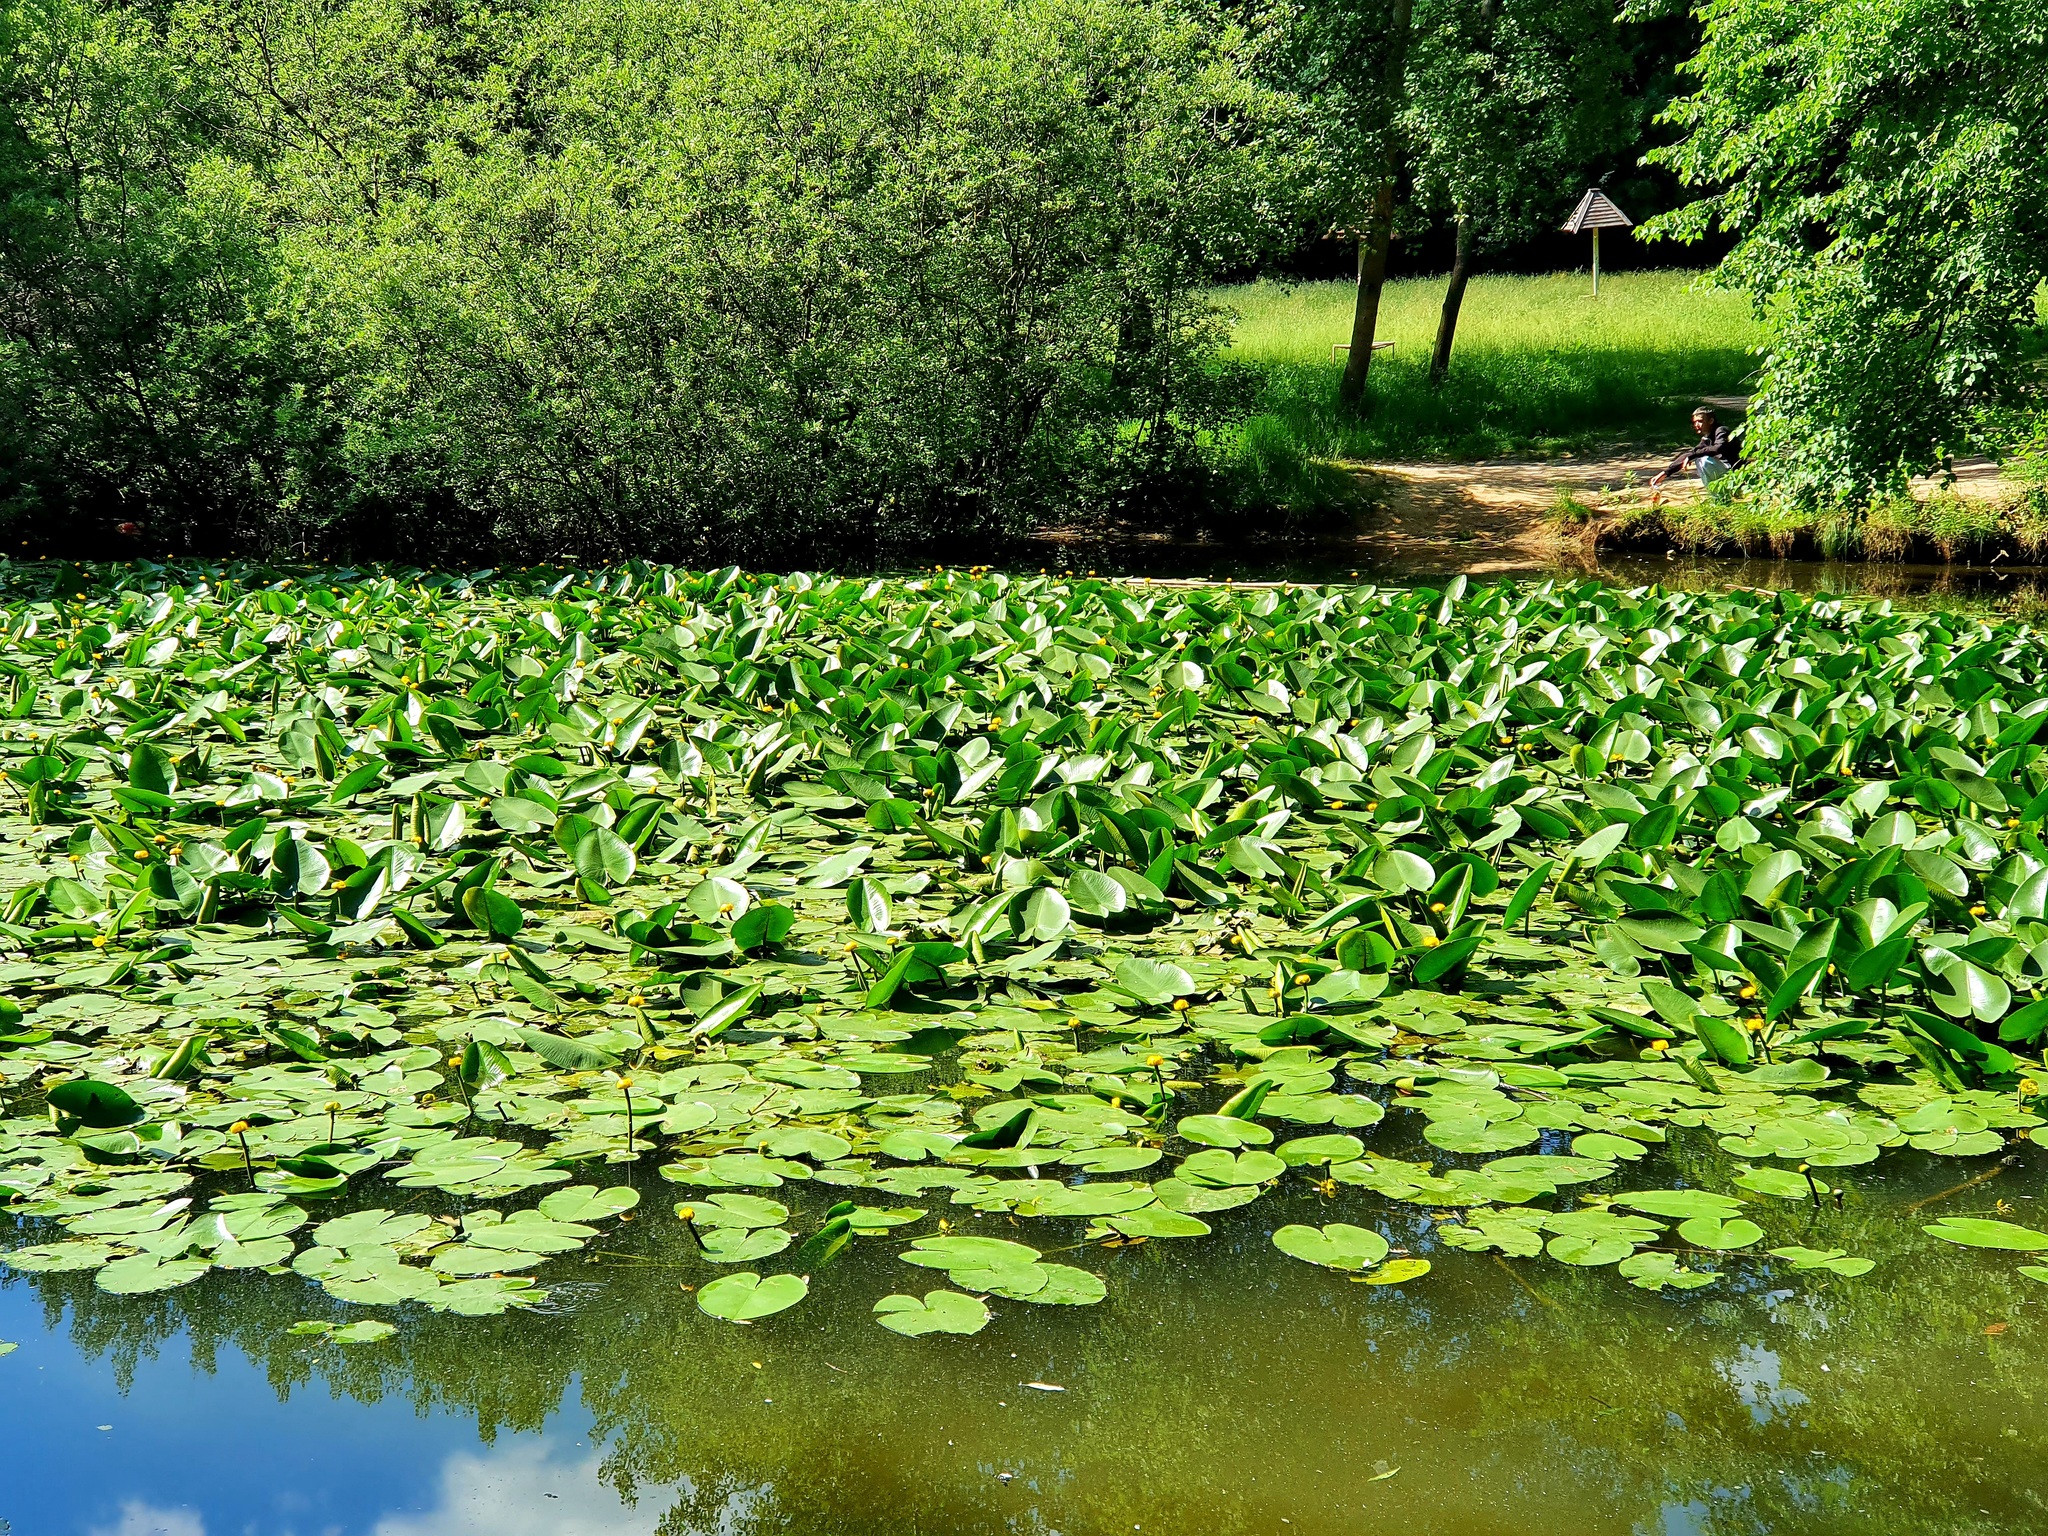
(1487, 517)
(1482, 518)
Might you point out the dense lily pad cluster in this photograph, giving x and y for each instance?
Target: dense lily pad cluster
(370, 926)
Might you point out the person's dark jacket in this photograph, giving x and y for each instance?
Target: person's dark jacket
(1716, 443)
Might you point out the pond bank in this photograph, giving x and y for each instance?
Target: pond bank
(1573, 515)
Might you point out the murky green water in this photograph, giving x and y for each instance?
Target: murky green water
(1344, 558)
(1223, 1388)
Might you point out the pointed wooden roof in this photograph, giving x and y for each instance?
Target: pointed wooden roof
(1596, 212)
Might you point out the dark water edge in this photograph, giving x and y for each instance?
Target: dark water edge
(1323, 560)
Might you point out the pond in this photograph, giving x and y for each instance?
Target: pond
(1220, 1389)
(673, 1052)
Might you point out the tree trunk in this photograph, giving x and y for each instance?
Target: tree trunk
(1379, 231)
(1454, 300)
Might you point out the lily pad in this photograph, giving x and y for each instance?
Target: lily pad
(746, 1297)
(939, 1312)
(1982, 1232)
(1337, 1246)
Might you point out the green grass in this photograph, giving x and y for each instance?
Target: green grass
(1541, 367)
(1941, 527)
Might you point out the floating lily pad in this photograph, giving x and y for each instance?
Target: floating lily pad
(1982, 1232)
(1337, 1246)
(746, 1297)
(1395, 1272)
(1836, 1261)
(938, 1312)
(1653, 1271)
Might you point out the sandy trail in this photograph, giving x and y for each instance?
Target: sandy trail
(1487, 517)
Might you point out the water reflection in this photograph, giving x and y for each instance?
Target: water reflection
(140, 1519)
(1345, 559)
(521, 1490)
(1221, 1389)
(1757, 1375)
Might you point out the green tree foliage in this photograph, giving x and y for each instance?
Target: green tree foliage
(1884, 164)
(699, 278)
(1510, 100)
(143, 370)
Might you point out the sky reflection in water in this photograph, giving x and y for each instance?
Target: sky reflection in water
(1222, 1389)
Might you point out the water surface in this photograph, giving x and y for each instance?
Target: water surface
(1222, 1388)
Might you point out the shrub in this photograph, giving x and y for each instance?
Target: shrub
(698, 278)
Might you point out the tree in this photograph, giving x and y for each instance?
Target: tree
(144, 372)
(699, 278)
(1508, 101)
(1884, 165)
(1481, 113)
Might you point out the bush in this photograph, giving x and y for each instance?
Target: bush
(693, 278)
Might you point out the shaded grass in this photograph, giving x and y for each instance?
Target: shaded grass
(1541, 367)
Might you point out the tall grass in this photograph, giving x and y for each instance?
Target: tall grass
(1540, 367)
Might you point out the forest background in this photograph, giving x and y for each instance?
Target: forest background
(845, 280)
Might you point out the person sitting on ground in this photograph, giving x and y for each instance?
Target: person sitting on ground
(1711, 457)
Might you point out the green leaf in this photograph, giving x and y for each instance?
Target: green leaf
(939, 1312)
(563, 1054)
(1222, 1131)
(867, 905)
(1337, 1246)
(746, 1297)
(1729, 1044)
(1718, 1233)
(605, 857)
(763, 927)
(1154, 981)
(495, 913)
(298, 868)
(96, 1104)
(1982, 1232)
(1399, 871)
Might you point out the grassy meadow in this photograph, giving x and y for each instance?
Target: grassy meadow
(1541, 366)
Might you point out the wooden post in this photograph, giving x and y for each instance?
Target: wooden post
(1596, 263)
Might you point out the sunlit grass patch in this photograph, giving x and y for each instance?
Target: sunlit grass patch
(1540, 366)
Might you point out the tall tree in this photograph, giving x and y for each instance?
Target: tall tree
(1884, 165)
(1509, 101)
(1482, 114)
(1346, 62)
